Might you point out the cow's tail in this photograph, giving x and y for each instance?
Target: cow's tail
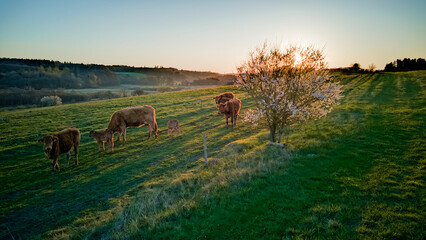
(155, 129)
(155, 126)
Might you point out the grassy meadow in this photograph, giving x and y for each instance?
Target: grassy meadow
(357, 173)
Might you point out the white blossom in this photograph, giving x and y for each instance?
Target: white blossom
(287, 93)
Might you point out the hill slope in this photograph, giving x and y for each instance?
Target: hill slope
(357, 173)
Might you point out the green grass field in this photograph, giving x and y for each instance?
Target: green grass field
(358, 173)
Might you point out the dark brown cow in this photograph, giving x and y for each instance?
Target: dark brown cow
(59, 143)
(133, 117)
(102, 137)
(231, 109)
(173, 125)
(227, 95)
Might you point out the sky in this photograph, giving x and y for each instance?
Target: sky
(210, 35)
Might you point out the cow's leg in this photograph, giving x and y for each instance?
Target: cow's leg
(76, 153)
(109, 145)
(55, 165)
(68, 159)
(112, 144)
(103, 146)
(169, 131)
(226, 121)
(118, 136)
(150, 130)
(175, 131)
(124, 134)
(99, 146)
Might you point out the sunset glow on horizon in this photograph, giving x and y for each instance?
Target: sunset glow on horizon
(209, 36)
(297, 59)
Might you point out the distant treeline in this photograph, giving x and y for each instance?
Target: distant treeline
(354, 68)
(406, 64)
(38, 74)
(11, 97)
(168, 76)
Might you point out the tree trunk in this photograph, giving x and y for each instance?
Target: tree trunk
(272, 134)
(280, 133)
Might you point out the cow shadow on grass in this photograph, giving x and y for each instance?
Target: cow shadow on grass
(311, 197)
(56, 200)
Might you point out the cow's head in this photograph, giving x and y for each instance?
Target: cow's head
(92, 133)
(48, 142)
(216, 98)
(222, 108)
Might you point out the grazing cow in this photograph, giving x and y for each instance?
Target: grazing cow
(228, 95)
(103, 136)
(133, 117)
(222, 100)
(231, 109)
(60, 143)
(173, 125)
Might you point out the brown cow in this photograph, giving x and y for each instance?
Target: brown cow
(104, 136)
(173, 125)
(222, 100)
(231, 109)
(60, 143)
(228, 95)
(133, 117)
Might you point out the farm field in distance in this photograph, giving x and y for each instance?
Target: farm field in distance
(357, 173)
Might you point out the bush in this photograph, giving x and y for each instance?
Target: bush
(50, 101)
(138, 91)
(164, 88)
(105, 95)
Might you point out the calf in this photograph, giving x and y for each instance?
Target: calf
(59, 143)
(173, 125)
(231, 109)
(103, 136)
(221, 97)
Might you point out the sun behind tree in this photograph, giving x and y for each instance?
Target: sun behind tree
(290, 85)
(297, 59)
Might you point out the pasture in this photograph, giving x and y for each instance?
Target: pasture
(358, 173)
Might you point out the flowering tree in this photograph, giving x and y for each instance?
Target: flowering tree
(289, 86)
(50, 101)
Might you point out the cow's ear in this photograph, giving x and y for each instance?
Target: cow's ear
(55, 138)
